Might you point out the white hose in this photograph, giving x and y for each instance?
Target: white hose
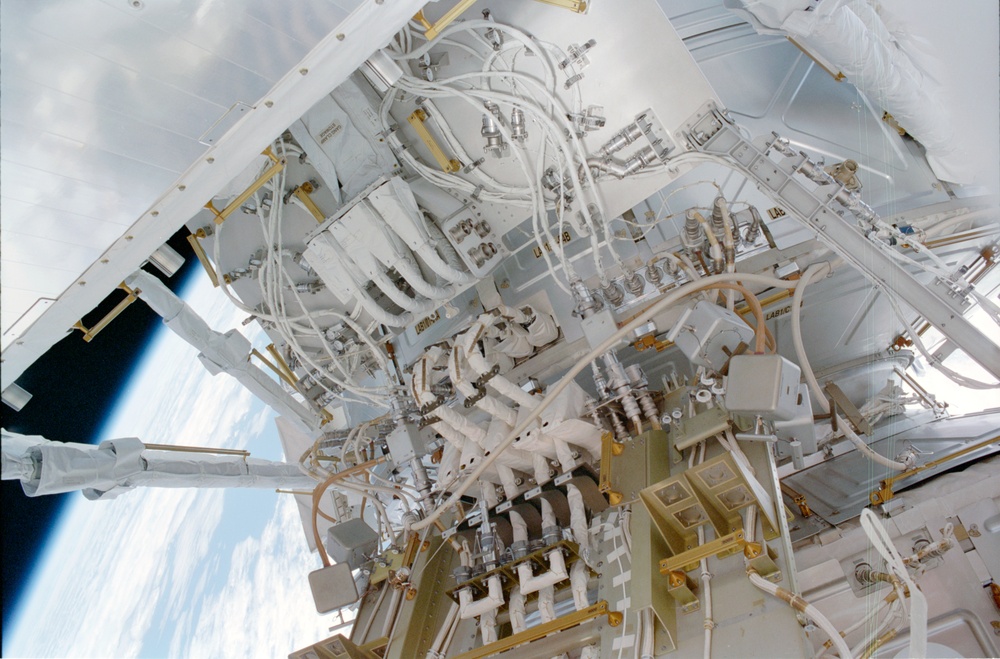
(654, 309)
(918, 602)
(868, 452)
(578, 519)
(807, 609)
(810, 378)
(547, 604)
(516, 610)
(812, 271)
(579, 575)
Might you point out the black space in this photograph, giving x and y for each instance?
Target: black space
(73, 386)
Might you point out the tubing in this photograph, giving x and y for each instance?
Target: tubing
(488, 626)
(656, 308)
(547, 604)
(805, 608)
(578, 519)
(481, 366)
(532, 583)
(411, 273)
(579, 575)
(516, 611)
(442, 635)
(439, 265)
(868, 452)
(469, 608)
(800, 351)
(918, 602)
(489, 404)
(807, 372)
(715, 249)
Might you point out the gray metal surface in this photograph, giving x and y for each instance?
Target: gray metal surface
(104, 103)
(838, 489)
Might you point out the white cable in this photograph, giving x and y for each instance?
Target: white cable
(918, 603)
(806, 608)
(658, 307)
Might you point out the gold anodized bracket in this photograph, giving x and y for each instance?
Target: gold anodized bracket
(89, 334)
(539, 631)
(432, 31)
(302, 192)
(417, 119)
(199, 252)
(579, 6)
(277, 164)
(275, 368)
(282, 364)
(885, 492)
(609, 449)
(691, 557)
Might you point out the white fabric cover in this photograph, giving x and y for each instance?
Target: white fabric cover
(118, 465)
(220, 353)
(852, 36)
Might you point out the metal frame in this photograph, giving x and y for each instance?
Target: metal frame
(712, 132)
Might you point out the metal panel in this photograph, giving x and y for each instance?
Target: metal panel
(838, 489)
(638, 63)
(103, 103)
(327, 64)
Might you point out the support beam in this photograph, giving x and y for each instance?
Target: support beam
(822, 209)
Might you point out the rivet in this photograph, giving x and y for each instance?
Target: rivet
(303, 71)
(340, 36)
(105, 260)
(182, 188)
(129, 237)
(210, 160)
(268, 104)
(82, 283)
(155, 213)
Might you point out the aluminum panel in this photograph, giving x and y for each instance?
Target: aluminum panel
(140, 47)
(45, 251)
(36, 187)
(86, 163)
(19, 276)
(838, 489)
(130, 136)
(103, 104)
(32, 220)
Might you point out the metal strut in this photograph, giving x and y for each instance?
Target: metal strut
(712, 132)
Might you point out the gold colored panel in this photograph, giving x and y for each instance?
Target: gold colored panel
(540, 631)
(643, 460)
(648, 587)
(417, 119)
(688, 560)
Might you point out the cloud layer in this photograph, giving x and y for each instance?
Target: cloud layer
(151, 572)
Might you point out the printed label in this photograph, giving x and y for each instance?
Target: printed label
(562, 239)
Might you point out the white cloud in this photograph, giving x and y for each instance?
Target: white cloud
(114, 565)
(267, 589)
